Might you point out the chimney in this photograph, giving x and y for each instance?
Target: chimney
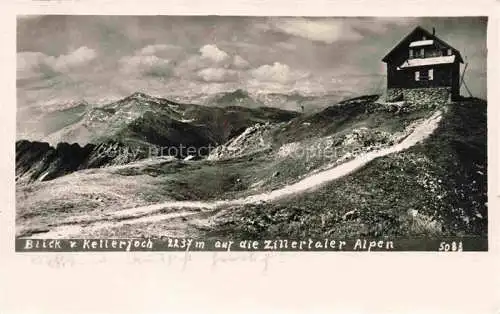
(433, 31)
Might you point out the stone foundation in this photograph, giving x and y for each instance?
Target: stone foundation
(436, 96)
(421, 96)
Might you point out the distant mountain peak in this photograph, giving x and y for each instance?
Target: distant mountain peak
(140, 95)
(234, 95)
(239, 92)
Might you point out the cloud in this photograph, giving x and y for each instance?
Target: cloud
(218, 75)
(31, 65)
(278, 72)
(145, 65)
(155, 49)
(286, 46)
(240, 63)
(380, 25)
(39, 65)
(323, 30)
(164, 51)
(213, 53)
(209, 56)
(330, 30)
(211, 64)
(151, 60)
(78, 58)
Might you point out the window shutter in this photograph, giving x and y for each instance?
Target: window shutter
(422, 52)
(449, 52)
(431, 74)
(411, 53)
(417, 75)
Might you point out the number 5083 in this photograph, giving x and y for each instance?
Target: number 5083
(451, 246)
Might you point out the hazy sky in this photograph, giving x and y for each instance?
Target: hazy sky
(63, 58)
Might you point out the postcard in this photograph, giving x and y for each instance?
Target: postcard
(151, 144)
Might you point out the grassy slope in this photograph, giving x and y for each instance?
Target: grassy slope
(382, 195)
(237, 177)
(435, 188)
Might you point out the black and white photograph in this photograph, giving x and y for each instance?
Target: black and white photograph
(301, 131)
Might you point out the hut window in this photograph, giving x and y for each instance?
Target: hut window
(422, 52)
(431, 74)
(449, 51)
(411, 53)
(417, 75)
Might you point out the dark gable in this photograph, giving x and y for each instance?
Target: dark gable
(423, 68)
(416, 34)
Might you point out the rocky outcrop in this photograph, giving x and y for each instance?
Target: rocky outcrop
(38, 161)
(253, 140)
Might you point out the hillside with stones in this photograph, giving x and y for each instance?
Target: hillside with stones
(437, 187)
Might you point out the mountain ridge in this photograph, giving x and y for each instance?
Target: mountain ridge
(137, 123)
(107, 120)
